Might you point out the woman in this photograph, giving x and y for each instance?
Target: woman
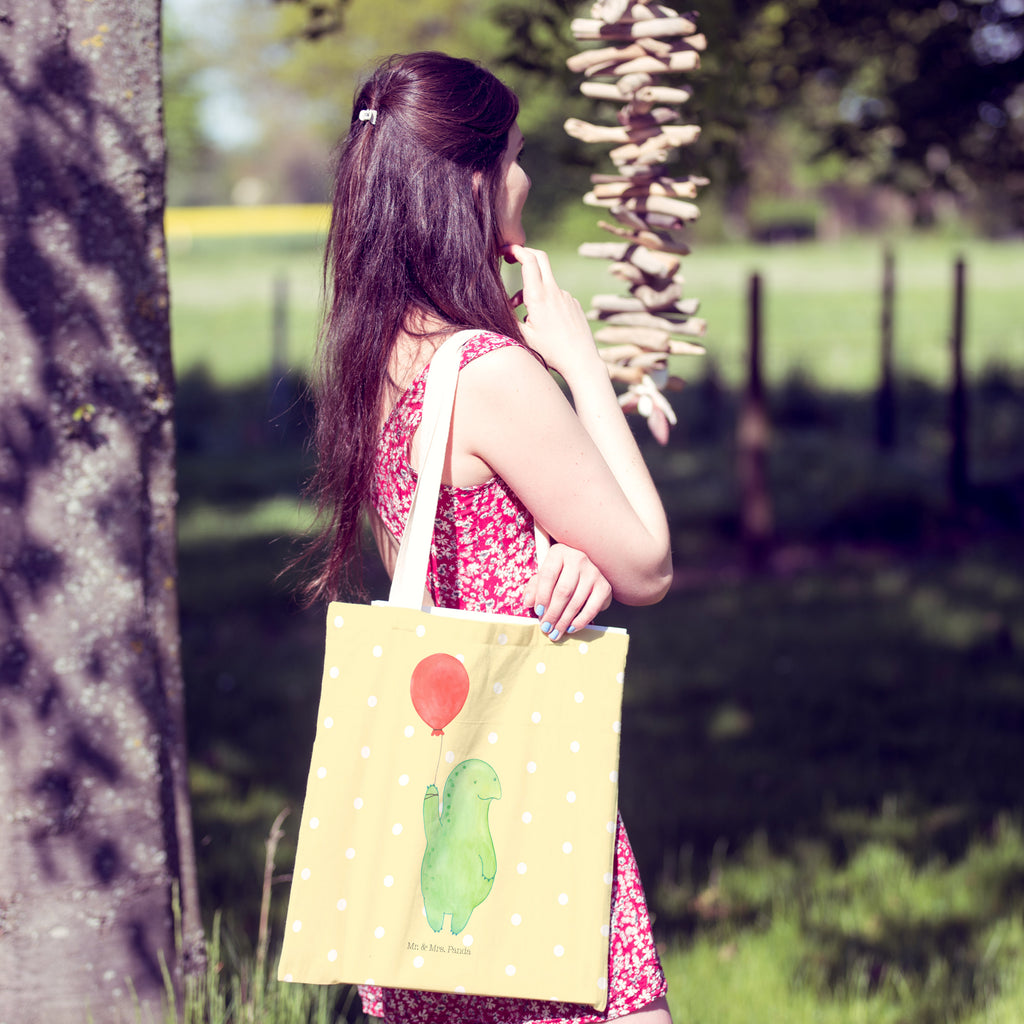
(428, 199)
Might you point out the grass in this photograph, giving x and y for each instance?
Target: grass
(822, 305)
(222, 302)
(820, 763)
(877, 940)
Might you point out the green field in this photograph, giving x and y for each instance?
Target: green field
(822, 305)
(821, 762)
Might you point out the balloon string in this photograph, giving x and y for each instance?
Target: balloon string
(437, 767)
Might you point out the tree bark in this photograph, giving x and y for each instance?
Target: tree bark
(95, 826)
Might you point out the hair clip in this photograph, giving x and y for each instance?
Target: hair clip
(368, 115)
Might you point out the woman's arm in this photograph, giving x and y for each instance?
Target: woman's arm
(579, 472)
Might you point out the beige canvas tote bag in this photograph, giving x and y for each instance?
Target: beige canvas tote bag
(458, 830)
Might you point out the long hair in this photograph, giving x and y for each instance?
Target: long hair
(413, 239)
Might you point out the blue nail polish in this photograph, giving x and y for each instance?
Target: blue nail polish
(545, 627)
(571, 629)
(554, 635)
(538, 610)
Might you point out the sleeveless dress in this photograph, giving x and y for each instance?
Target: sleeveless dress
(483, 556)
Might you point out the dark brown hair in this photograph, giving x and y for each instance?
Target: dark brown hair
(412, 235)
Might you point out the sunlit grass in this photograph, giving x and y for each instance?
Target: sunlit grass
(820, 765)
(879, 939)
(223, 294)
(275, 517)
(821, 305)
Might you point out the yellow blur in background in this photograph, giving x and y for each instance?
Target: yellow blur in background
(183, 223)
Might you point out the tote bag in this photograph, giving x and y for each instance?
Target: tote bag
(458, 831)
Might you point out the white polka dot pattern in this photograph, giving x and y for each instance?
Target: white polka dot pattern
(537, 721)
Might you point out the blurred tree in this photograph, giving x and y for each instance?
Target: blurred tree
(535, 43)
(318, 50)
(189, 149)
(93, 778)
(921, 94)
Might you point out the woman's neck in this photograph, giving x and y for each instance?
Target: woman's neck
(413, 347)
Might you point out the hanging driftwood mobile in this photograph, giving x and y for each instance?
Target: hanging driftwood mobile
(645, 42)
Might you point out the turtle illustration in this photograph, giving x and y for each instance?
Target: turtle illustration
(459, 863)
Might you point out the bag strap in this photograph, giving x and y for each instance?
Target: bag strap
(408, 585)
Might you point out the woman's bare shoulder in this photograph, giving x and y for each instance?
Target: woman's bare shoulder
(506, 372)
(485, 342)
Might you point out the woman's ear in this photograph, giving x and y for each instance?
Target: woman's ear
(478, 177)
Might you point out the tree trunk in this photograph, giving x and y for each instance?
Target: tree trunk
(95, 825)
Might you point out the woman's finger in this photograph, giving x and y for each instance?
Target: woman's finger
(530, 593)
(571, 611)
(598, 601)
(535, 262)
(568, 596)
(543, 584)
(531, 270)
(592, 595)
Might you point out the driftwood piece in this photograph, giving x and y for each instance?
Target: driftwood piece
(635, 277)
(640, 317)
(586, 59)
(629, 116)
(635, 81)
(672, 134)
(690, 327)
(607, 193)
(629, 273)
(644, 220)
(655, 150)
(639, 331)
(595, 62)
(586, 132)
(626, 374)
(659, 46)
(618, 304)
(677, 209)
(684, 60)
(630, 342)
(648, 239)
(629, 218)
(663, 47)
(619, 353)
(653, 177)
(650, 360)
(658, 295)
(657, 264)
(657, 299)
(642, 155)
(643, 94)
(662, 221)
(593, 28)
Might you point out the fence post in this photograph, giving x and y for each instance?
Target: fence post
(958, 470)
(885, 399)
(752, 442)
(280, 398)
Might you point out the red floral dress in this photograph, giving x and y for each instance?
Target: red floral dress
(483, 556)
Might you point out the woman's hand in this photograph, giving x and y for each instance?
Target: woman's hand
(555, 326)
(567, 592)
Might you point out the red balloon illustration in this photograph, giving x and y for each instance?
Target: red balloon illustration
(439, 687)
